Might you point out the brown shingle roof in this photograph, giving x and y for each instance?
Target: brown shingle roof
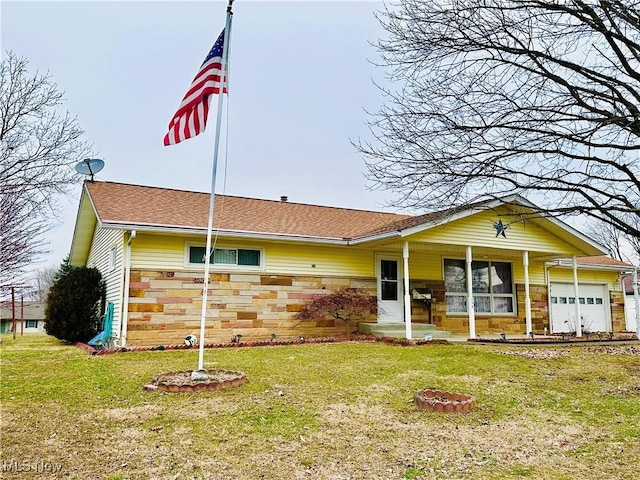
(602, 260)
(153, 206)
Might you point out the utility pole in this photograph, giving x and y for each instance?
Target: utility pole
(13, 311)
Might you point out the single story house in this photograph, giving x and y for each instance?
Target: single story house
(487, 268)
(29, 316)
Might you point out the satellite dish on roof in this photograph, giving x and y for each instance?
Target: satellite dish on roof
(89, 166)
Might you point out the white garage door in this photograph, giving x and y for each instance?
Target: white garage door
(594, 305)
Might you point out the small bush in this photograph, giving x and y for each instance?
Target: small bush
(343, 304)
(75, 304)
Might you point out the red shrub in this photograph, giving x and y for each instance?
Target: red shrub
(343, 304)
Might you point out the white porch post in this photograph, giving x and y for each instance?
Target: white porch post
(576, 292)
(636, 299)
(407, 294)
(470, 306)
(527, 297)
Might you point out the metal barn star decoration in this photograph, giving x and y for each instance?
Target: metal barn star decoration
(500, 228)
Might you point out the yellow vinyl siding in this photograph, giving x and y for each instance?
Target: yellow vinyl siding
(300, 260)
(536, 272)
(162, 252)
(169, 253)
(425, 266)
(477, 230)
(104, 239)
(565, 275)
(428, 266)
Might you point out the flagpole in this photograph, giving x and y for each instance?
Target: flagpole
(207, 262)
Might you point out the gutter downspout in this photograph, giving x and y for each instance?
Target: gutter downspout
(125, 300)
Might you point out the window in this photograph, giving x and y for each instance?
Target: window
(31, 324)
(389, 279)
(238, 257)
(112, 258)
(492, 284)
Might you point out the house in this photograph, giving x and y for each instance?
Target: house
(486, 268)
(29, 317)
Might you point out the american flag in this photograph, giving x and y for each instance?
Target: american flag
(191, 117)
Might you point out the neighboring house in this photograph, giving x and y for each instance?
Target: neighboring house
(489, 268)
(29, 317)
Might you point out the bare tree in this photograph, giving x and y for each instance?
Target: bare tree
(621, 246)
(38, 147)
(491, 97)
(43, 278)
(609, 236)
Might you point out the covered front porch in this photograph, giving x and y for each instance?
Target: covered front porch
(479, 270)
(437, 290)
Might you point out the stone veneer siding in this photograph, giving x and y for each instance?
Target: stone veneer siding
(165, 306)
(618, 320)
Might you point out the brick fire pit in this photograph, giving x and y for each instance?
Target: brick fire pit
(441, 401)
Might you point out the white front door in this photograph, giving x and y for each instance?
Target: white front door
(389, 273)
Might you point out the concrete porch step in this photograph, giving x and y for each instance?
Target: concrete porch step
(397, 330)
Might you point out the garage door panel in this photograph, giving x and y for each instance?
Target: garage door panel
(593, 307)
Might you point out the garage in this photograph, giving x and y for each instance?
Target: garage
(594, 307)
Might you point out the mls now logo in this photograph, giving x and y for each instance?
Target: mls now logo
(30, 465)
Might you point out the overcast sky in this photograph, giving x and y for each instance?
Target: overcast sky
(301, 80)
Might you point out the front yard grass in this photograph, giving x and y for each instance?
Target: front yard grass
(334, 411)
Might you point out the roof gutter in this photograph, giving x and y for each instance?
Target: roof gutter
(372, 238)
(234, 233)
(583, 266)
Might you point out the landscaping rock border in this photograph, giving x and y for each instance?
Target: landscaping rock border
(446, 402)
(181, 382)
(271, 343)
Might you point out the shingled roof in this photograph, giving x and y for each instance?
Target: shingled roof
(135, 205)
(603, 261)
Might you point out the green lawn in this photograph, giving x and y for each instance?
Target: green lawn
(334, 411)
